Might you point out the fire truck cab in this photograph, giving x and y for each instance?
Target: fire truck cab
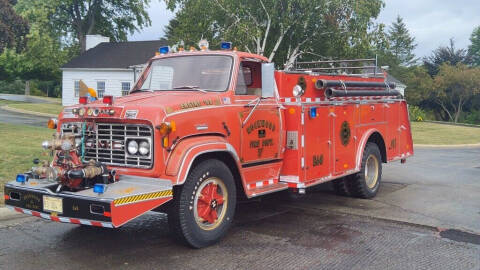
(200, 128)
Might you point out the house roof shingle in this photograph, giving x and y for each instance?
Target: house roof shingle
(116, 54)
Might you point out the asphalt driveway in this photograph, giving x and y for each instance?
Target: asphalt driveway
(424, 217)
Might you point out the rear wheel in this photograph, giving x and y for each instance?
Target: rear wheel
(365, 184)
(340, 186)
(203, 208)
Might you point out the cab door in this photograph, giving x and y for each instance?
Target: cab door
(260, 116)
(260, 133)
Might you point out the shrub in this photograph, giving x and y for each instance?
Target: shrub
(473, 117)
(416, 113)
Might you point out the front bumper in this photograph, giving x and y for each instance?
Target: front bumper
(123, 201)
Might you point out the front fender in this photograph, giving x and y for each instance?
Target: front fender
(185, 152)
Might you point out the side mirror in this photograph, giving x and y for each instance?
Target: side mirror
(268, 80)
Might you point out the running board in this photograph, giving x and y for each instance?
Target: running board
(265, 187)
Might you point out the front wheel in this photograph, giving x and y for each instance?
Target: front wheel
(203, 208)
(365, 184)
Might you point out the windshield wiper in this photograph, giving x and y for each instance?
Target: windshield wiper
(141, 90)
(189, 87)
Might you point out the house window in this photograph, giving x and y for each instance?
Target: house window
(100, 89)
(125, 88)
(76, 87)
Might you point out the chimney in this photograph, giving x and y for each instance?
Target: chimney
(94, 40)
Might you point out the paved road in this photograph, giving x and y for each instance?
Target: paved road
(23, 98)
(438, 188)
(22, 119)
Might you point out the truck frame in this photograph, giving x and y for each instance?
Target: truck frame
(201, 128)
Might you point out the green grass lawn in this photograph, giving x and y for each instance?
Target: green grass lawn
(51, 108)
(19, 145)
(438, 134)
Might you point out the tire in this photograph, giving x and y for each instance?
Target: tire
(365, 184)
(340, 186)
(203, 208)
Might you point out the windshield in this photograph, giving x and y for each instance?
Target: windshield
(203, 72)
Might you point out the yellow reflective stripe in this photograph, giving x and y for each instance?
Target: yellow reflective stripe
(143, 197)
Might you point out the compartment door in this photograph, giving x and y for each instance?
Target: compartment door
(317, 148)
(343, 137)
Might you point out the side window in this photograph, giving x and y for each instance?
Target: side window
(76, 88)
(125, 88)
(100, 89)
(248, 79)
(241, 88)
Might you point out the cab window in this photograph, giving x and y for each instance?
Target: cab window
(249, 79)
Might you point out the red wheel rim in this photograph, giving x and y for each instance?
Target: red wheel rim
(210, 203)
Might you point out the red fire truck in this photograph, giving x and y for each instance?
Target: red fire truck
(202, 127)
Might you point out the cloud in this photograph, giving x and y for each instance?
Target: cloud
(160, 17)
(433, 23)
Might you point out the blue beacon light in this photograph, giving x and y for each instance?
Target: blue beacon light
(226, 45)
(21, 178)
(313, 112)
(99, 188)
(164, 50)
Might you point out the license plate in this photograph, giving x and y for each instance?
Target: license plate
(52, 204)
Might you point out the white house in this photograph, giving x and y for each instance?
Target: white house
(111, 68)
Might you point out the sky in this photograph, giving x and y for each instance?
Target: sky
(431, 22)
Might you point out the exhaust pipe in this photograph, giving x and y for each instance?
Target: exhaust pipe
(321, 84)
(330, 92)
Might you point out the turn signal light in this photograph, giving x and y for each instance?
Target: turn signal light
(164, 128)
(108, 100)
(83, 100)
(52, 123)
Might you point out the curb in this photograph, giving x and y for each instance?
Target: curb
(28, 112)
(452, 124)
(447, 145)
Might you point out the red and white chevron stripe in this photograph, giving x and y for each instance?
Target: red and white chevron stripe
(63, 219)
(262, 183)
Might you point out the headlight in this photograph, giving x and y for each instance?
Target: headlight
(132, 147)
(298, 91)
(144, 148)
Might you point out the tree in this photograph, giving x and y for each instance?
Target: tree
(74, 19)
(449, 55)
(401, 43)
(454, 86)
(282, 30)
(43, 54)
(13, 28)
(474, 48)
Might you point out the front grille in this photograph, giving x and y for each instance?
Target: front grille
(107, 143)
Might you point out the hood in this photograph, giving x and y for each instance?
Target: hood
(170, 101)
